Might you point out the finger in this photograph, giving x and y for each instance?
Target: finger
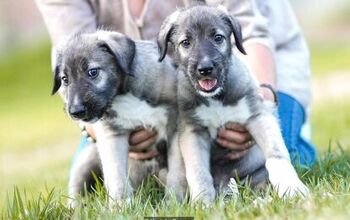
(143, 145)
(233, 136)
(234, 146)
(90, 131)
(235, 127)
(236, 154)
(139, 136)
(229, 145)
(139, 128)
(143, 156)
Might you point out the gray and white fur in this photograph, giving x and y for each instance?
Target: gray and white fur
(115, 85)
(214, 88)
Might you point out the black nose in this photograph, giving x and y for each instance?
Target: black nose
(77, 111)
(205, 71)
(205, 68)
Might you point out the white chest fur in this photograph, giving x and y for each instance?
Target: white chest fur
(217, 115)
(133, 112)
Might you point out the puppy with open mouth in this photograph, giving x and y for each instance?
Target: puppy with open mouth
(214, 88)
(116, 85)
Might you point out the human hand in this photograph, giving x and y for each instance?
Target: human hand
(140, 140)
(235, 138)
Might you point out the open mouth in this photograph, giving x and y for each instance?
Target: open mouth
(208, 84)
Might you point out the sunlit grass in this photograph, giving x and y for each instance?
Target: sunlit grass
(329, 183)
(29, 115)
(331, 123)
(327, 58)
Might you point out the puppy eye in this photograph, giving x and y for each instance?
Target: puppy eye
(218, 38)
(64, 80)
(93, 73)
(185, 43)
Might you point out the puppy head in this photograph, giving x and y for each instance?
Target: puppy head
(89, 70)
(201, 38)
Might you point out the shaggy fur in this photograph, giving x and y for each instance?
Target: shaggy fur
(116, 85)
(215, 88)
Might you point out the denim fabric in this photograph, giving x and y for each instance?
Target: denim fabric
(82, 145)
(292, 117)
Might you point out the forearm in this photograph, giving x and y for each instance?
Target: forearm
(260, 61)
(64, 18)
(257, 39)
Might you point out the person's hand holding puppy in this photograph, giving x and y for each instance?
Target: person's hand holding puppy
(140, 141)
(235, 136)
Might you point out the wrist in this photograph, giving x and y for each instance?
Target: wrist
(268, 92)
(88, 133)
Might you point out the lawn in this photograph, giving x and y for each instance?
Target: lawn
(330, 58)
(39, 141)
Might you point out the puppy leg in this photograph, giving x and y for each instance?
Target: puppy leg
(176, 178)
(195, 149)
(113, 149)
(266, 132)
(85, 164)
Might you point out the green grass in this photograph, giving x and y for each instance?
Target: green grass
(39, 141)
(327, 58)
(331, 123)
(28, 113)
(33, 126)
(329, 182)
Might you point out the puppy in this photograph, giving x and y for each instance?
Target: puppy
(116, 85)
(215, 88)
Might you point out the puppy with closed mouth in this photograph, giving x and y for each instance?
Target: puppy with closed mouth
(214, 88)
(115, 85)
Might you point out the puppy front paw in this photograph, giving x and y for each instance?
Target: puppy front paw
(176, 186)
(291, 188)
(284, 178)
(72, 203)
(204, 195)
(177, 193)
(231, 190)
(120, 196)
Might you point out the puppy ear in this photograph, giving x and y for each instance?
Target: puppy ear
(56, 81)
(237, 32)
(121, 47)
(56, 77)
(164, 35)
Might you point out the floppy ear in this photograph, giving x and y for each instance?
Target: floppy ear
(56, 76)
(237, 32)
(164, 35)
(121, 47)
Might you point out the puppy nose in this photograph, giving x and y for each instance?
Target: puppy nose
(205, 71)
(77, 111)
(205, 68)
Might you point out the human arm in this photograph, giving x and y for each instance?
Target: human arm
(64, 18)
(259, 60)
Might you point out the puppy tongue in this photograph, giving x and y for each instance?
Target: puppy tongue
(207, 84)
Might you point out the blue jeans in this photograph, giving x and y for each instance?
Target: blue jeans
(292, 117)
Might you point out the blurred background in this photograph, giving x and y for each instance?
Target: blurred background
(38, 140)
